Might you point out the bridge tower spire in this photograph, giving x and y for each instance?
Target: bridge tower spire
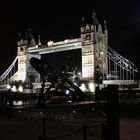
(39, 41)
(106, 33)
(30, 38)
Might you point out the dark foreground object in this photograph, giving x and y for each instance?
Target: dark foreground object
(110, 95)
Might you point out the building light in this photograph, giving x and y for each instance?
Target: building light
(79, 73)
(67, 92)
(17, 103)
(83, 87)
(36, 46)
(91, 86)
(74, 111)
(20, 89)
(101, 53)
(66, 41)
(8, 86)
(50, 43)
(75, 84)
(14, 89)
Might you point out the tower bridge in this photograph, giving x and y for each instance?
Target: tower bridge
(99, 62)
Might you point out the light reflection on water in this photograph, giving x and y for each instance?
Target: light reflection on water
(15, 103)
(22, 103)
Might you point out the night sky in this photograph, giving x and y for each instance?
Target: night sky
(61, 20)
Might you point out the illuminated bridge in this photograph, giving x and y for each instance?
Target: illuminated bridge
(100, 64)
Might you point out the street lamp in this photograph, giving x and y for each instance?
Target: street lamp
(97, 74)
(97, 90)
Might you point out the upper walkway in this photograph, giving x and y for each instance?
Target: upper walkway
(69, 44)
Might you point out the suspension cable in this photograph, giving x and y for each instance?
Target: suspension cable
(4, 75)
(118, 59)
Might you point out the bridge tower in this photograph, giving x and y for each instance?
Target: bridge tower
(26, 73)
(94, 61)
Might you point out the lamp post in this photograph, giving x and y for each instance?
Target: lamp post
(97, 90)
(97, 75)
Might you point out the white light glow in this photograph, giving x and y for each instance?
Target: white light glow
(50, 43)
(8, 86)
(66, 41)
(75, 84)
(67, 92)
(36, 46)
(20, 89)
(101, 53)
(17, 102)
(91, 86)
(14, 89)
(83, 87)
(74, 111)
(79, 73)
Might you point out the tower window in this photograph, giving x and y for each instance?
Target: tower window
(21, 49)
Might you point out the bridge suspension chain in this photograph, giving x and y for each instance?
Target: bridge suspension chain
(6, 73)
(118, 59)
